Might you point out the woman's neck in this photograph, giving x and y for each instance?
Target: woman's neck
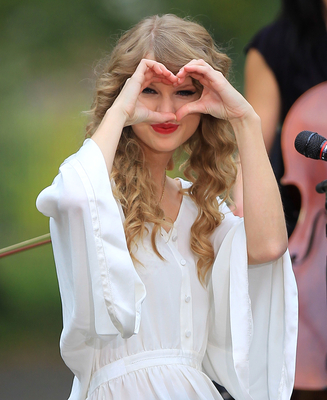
(157, 165)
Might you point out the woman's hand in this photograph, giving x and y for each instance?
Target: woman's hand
(127, 109)
(128, 102)
(219, 98)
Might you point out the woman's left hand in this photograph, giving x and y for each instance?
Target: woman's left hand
(262, 207)
(219, 98)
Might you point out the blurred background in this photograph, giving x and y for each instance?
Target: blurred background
(48, 50)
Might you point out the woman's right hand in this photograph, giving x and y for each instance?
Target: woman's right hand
(127, 109)
(128, 103)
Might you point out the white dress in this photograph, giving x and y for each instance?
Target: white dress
(153, 331)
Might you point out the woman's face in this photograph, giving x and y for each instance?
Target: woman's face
(167, 137)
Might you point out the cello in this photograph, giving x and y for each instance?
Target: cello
(308, 243)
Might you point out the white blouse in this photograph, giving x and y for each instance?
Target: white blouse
(152, 331)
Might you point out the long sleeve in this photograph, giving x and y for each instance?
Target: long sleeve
(253, 323)
(100, 289)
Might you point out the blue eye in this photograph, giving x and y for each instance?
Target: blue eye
(148, 90)
(185, 93)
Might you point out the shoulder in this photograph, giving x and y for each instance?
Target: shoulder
(270, 39)
(82, 176)
(273, 43)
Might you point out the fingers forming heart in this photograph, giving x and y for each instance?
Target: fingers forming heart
(150, 71)
(218, 97)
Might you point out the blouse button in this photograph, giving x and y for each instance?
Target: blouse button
(188, 334)
(187, 299)
(183, 262)
(174, 238)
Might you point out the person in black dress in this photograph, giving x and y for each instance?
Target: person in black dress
(284, 60)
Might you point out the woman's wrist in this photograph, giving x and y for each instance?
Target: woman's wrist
(116, 116)
(250, 120)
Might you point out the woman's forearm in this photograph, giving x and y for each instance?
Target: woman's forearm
(108, 134)
(263, 211)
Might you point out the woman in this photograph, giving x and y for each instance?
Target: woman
(154, 274)
(284, 60)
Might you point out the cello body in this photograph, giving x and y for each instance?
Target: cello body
(308, 243)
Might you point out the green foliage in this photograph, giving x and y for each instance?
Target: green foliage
(47, 52)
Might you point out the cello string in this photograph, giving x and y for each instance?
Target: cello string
(27, 244)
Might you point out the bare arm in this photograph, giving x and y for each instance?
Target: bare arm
(263, 212)
(262, 207)
(262, 92)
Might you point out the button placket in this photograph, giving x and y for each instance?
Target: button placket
(186, 316)
(186, 309)
(174, 236)
(188, 334)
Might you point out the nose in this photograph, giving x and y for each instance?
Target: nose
(166, 104)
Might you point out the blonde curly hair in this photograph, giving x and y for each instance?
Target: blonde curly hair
(210, 164)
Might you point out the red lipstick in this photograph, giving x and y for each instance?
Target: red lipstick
(165, 128)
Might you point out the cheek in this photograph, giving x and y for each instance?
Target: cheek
(193, 121)
(138, 129)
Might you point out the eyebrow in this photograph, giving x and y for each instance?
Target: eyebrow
(183, 86)
(187, 85)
